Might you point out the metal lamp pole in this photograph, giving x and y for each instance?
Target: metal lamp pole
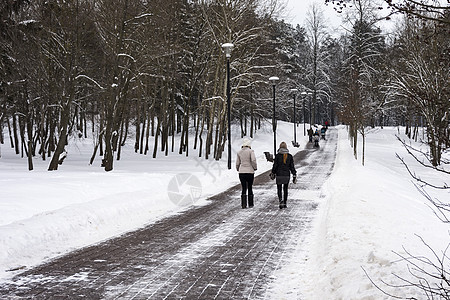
(295, 123)
(227, 48)
(304, 123)
(310, 110)
(274, 80)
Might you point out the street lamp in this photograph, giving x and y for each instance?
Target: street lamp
(310, 109)
(295, 123)
(274, 80)
(304, 94)
(227, 49)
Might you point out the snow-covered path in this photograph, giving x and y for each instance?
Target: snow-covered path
(216, 251)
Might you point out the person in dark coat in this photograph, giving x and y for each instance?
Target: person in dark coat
(316, 138)
(310, 135)
(246, 166)
(283, 166)
(322, 132)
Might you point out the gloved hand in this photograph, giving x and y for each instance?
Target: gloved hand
(272, 176)
(294, 180)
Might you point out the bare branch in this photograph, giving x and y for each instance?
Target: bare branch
(409, 149)
(413, 175)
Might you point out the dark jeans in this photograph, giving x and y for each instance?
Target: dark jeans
(285, 190)
(246, 182)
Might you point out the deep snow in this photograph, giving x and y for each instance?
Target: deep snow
(367, 212)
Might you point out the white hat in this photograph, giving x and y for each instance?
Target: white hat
(246, 142)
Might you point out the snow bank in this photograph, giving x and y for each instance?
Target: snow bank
(369, 213)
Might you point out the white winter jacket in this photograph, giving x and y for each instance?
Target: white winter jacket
(246, 161)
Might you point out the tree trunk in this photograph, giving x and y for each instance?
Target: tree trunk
(138, 129)
(91, 161)
(30, 139)
(202, 126)
(252, 119)
(10, 134)
(142, 134)
(16, 137)
(62, 138)
(155, 148)
(186, 142)
(108, 158)
(51, 139)
(2, 137)
(100, 140)
(210, 128)
(172, 120)
(363, 146)
(241, 122)
(119, 146)
(147, 135)
(22, 137)
(355, 142)
(42, 134)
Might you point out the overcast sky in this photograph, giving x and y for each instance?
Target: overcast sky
(296, 11)
(296, 14)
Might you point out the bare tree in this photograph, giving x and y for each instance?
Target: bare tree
(363, 64)
(421, 77)
(317, 72)
(433, 10)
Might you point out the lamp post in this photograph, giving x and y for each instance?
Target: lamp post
(310, 109)
(274, 80)
(304, 94)
(295, 123)
(227, 48)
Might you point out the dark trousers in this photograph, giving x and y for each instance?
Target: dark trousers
(283, 187)
(246, 183)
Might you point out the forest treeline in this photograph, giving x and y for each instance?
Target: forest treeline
(114, 69)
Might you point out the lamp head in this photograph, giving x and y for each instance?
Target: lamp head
(274, 79)
(227, 48)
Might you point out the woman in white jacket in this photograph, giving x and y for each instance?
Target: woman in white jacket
(246, 166)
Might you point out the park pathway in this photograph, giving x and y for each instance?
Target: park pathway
(216, 251)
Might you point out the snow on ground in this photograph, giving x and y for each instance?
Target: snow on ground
(367, 214)
(46, 214)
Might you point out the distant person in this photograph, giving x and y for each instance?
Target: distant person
(316, 138)
(322, 132)
(310, 135)
(246, 166)
(283, 166)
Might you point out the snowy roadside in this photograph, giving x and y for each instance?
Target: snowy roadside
(369, 213)
(47, 214)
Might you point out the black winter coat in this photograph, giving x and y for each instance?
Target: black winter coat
(283, 169)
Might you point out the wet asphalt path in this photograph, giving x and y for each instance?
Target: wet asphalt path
(217, 251)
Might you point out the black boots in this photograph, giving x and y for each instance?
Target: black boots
(250, 201)
(244, 201)
(282, 203)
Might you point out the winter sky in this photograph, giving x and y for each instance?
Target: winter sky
(296, 11)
